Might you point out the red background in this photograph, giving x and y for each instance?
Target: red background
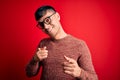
(96, 22)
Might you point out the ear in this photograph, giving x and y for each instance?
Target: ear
(57, 15)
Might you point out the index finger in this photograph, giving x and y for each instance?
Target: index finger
(44, 48)
(70, 60)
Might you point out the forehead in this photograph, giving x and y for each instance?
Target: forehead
(47, 13)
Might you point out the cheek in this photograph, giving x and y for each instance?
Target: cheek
(56, 23)
(53, 24)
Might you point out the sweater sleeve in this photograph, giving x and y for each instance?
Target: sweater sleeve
(85, 63)
(32, 68)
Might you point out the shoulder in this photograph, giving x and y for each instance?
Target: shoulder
(77, 40)
(43, 42)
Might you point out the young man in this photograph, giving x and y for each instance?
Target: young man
(62, 56)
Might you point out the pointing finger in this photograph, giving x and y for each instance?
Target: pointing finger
(39, 49)
(69, 59)
(44, 48)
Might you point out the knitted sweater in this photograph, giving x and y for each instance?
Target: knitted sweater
(52, 66)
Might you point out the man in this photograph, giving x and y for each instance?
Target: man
(62, 56)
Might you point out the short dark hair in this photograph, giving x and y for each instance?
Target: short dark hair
(40, 12)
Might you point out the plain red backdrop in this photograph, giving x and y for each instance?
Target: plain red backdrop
(96, 22)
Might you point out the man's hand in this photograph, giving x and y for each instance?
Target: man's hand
(41, 54)
(71, 67)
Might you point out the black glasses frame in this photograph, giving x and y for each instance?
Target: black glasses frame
(47, 21)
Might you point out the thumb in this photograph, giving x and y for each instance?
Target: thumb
(44, 48)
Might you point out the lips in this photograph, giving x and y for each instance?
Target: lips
(49, 30)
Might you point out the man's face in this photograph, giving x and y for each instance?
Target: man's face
(49, 23)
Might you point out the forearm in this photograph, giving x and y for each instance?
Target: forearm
(32, 68)
(86, 75)
(85, 63)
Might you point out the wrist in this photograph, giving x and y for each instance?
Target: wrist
(35, 58)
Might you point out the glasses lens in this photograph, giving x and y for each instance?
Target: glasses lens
(40, 25)
(47, 20)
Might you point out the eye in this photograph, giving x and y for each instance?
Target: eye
(47, 21)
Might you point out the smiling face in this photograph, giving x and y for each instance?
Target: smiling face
(50, 23)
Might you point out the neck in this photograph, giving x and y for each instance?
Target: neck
(61, 34)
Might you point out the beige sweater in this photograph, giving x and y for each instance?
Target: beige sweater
(52, 66)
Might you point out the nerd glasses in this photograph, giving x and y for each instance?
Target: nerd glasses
(47, 21)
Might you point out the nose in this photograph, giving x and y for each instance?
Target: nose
(46, 26)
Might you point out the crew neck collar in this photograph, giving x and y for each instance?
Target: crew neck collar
(61, 38)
